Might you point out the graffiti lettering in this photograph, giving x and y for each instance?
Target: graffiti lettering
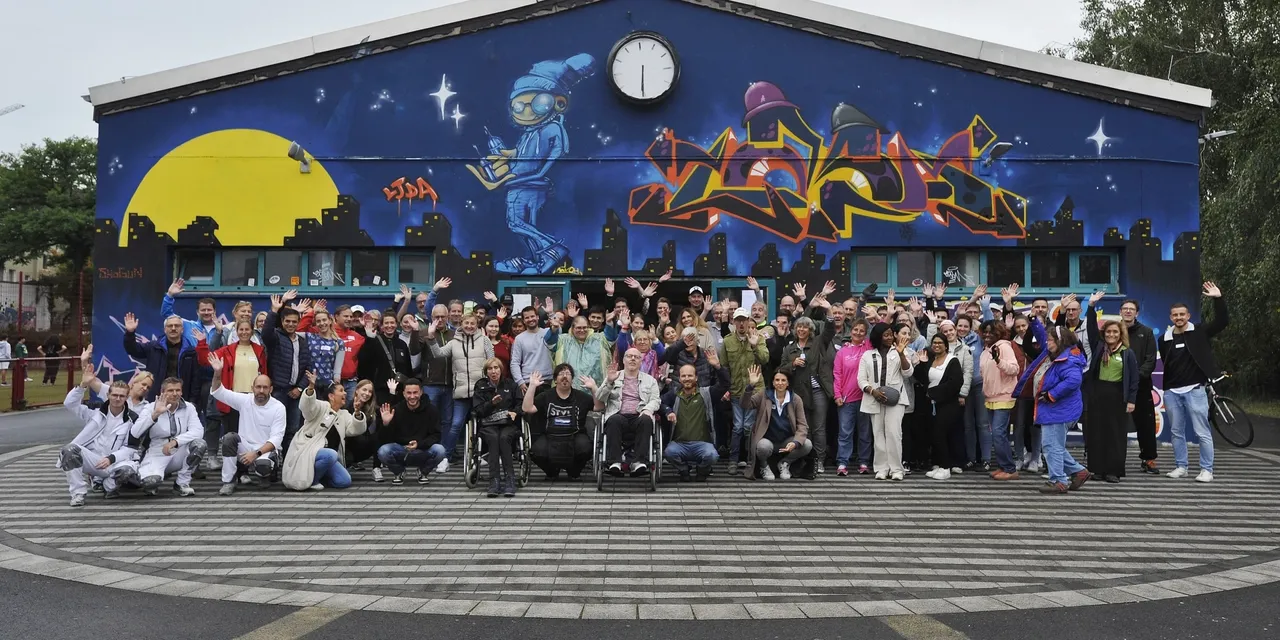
(403, 189)
(788, 179)
(120, 274)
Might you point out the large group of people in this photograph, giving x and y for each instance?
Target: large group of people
(304, 394)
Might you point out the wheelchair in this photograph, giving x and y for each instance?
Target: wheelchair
(519, 454)
(599, 464)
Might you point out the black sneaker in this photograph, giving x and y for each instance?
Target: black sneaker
(1149, 466)
(704, 473)
(397, 479)
(424, 477)
(685, 476)
(495, 487)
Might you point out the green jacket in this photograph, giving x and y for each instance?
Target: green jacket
(739, 355)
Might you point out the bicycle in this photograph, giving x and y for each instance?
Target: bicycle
(1231, 422)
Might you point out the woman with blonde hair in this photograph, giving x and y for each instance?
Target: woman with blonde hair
(497, 412)
(1111, 393)
(362, 447)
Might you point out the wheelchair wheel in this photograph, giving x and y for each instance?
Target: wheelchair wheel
(525, 464)
(655, 456)
(469, 470)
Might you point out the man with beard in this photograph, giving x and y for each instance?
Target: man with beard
(255, 448)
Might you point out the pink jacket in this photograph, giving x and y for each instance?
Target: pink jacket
(846, 370)
(999, 380)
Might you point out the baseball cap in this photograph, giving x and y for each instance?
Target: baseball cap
(742, 312)
(508, 299)
(355, 308)
(695, 289)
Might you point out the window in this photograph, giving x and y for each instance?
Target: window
(871, 268)
(276, 270)
(915, 268)
(1037, 271)
(196, 267)
(239, 268)
(1050, 269)
(370, 268)
(283, 269)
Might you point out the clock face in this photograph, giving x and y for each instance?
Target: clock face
(644, 67)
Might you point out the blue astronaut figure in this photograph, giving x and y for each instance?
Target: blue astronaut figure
(538, 102)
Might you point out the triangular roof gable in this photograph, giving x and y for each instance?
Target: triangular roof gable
(1154, 94)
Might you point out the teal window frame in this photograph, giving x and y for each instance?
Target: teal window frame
(1075, 286)
(392, 284)
(767, 284)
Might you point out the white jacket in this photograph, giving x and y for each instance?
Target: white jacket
(468, 355)
(869, 376)
(185, 426)
(95, 436)
(298, 472)
(611, 394)
(964, 353)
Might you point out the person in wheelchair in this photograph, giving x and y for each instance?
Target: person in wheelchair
(497, 403)
(780, 427)
(631, 398)
(689, 410)
(560, 436)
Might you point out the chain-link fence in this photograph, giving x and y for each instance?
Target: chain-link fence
(24, 307)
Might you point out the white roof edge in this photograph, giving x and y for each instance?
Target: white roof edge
(811, 10)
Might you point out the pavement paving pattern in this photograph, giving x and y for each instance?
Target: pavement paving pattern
(834, 547)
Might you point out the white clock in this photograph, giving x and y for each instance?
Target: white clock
(643, 67)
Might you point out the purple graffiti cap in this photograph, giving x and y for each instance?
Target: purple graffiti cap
(555, 76)
(762, 96)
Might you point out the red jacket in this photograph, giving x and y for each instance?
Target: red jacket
(502, 351)
(351, 339)
(228, 356)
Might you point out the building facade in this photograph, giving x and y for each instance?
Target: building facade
(495, 142)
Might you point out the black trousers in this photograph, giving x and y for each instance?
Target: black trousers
(553, 454)
(1144, 420)
(360, 448)
(1107, 431)
(621, 430)
(498, 439)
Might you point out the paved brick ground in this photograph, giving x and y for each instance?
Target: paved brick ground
(722, 550)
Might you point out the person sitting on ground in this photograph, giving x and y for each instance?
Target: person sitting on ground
(411, 431)
(101, 449)
(780, 425)
(170, 437)
(631, 399)
(690, 410)
(316, 455)
(254, 447)
(560, 436)
(497, 400)
(365, 445)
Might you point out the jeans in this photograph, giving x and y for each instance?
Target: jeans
(816, 415)
(457, 421)
(350, 387)
(1190, 408)
(395, 457)
(329, 472)
(765, 449)
(977, 426)
(744, 420)
(292, 415)
(1053, 440)
(850, 416)
(686, 455)
(999, 420)
(441, 397)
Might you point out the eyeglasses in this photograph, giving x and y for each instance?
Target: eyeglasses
(541, 104)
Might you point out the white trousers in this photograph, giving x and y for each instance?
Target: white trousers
(886, 430)
(78, 484)
(155, 463)
(231, 464)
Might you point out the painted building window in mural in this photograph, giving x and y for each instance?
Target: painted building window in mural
(915, 268)
(1096, 268)
(370, 268)
(283, 269)
(415, 269)
(196, 267)
(239, 269)
(1050, 269)
(1007, 267)
(327, 268)
(961, 269)
(872, 267)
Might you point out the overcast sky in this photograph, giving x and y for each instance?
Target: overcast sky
(51, 52)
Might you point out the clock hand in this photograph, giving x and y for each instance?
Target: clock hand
(642, 80)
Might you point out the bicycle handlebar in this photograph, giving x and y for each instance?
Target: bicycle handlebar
(1220, 378)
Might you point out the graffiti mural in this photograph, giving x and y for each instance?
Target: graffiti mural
(788, 179)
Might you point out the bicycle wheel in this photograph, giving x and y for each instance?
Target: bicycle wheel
(1233, 424)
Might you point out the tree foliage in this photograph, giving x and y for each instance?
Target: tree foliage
(47, 200)
(1233, 48)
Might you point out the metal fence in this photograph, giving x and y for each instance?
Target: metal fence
(37, 382)
(24, 306)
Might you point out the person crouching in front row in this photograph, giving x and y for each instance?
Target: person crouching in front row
(690, 409)
(411, 431)
(780, 425)
(171, 438)
(317, 451)
(254, 447)
(100, 449)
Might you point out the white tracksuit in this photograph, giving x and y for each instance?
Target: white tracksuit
(181, 424)
(104, 435)
(259, 424)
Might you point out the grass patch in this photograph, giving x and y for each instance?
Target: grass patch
(1262, 407)
(36, 393)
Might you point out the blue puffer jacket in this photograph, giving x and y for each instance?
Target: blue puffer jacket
(1058, 398)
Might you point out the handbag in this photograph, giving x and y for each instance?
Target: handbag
(891, 395)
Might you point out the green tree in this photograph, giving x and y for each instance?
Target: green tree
(47, 199)
(1233, 48)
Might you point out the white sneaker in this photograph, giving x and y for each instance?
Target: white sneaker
(933, 472)
(897, 476)
(942, 474)
(377, 474)
(957, 470)
(784, 470)
(317, 487)
(484, 461)
(213, 463)
(1178, 472)
(227, 489)
(184, 490)
(77, 500)
(1034, 467)
(882, 475)
(818, 468)
(767, 473)
(1205, 476)
(443, 466)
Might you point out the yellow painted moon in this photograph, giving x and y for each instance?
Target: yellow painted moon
(242, 178)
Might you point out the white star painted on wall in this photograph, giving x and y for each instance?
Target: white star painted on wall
(457, 116)
(443, 94)
(1100, 137)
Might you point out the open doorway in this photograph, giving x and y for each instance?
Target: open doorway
(676, 291)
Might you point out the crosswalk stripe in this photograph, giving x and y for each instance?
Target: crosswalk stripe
(295, 625)
(921, 628)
